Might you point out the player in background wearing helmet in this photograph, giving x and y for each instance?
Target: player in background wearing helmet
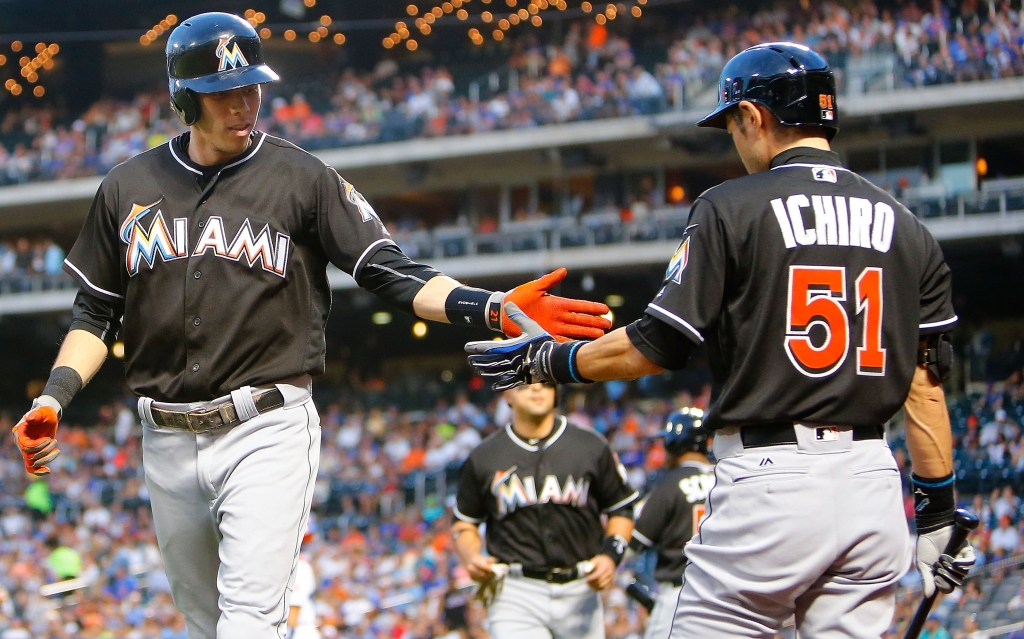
(209, 255)
(823, 304)
(302, 623)
(673, 509)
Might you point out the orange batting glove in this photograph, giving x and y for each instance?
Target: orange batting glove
(36, 436)
(566, 319)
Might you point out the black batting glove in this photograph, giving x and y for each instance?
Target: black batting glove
(533, 357)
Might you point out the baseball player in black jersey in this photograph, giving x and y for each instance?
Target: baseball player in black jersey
(213, 248)
(823, 304)
(541, 486)
(671, 512)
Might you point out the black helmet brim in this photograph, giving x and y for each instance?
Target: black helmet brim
(230, 79)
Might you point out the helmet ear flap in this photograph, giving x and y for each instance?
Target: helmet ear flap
(185, 104)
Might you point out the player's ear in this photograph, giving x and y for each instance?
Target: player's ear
(750, 117)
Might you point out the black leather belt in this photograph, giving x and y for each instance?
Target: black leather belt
(223, 415)
(779, 433)
(552, 575)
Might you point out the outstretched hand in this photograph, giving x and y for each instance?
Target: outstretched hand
(512, 362)
(564, 318)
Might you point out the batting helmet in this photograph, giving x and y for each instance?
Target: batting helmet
(209, 53)
(793, 82)
(684, 432)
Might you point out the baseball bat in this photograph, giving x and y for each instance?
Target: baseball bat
(638, 593)
(963, 523)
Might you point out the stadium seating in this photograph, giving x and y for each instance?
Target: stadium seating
(592, 73)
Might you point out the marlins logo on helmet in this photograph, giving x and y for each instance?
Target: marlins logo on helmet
(230, 57)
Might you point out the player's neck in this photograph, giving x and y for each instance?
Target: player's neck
(531, 427)
(203, 151)
(813, 142)
(692, 456)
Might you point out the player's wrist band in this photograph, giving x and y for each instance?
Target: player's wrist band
(467, 306)
(562, 363)
(615, 547)
(63, 384)
(934, 502)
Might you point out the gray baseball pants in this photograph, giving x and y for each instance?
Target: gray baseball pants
(534, 609)
(230, 507)
(816, 529)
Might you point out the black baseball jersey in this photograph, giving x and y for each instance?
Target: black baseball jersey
(810, 287)
(221, 271)
(543, 500)
(670, 514)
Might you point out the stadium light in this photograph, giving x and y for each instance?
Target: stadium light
(265, 33)
(419, 330)
(16, 46)
(412, 10)
(981, 166)
(587, 7)
(637, 12)
(289, 35)
(487, 16)
(309, 3)
(325, 20)
(3, 59)
(614, 301)
(381, 318)
(411, 45)
(314, 36)
(339, 38)
(39, 91)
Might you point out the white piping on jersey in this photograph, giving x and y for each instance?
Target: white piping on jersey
(90, 284)
(263, 136)
(672, 317)
(624, 502)
(396, 273)
(366, 254)
(642, 538)
(532, 447)
(466, 518)
(811, 166)
(942, 323)
(170, 146)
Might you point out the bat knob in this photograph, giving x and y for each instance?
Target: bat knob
(966, 520)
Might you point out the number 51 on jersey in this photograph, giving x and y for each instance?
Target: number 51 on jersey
(815, 298)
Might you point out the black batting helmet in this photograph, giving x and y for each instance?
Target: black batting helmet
(793, 82)
(684, 432)
(209, 53)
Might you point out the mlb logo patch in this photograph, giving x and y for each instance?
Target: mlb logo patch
(825, 174)
(828, 114)
(826, 434)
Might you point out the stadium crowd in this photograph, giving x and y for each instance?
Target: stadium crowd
(592, 73)
(381, 551)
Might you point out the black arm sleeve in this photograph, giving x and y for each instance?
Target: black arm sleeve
(99, 316)
(659, 342)
(392, 276)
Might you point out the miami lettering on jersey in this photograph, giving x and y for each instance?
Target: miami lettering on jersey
(145, 245)
(513, 492)
(837, 222)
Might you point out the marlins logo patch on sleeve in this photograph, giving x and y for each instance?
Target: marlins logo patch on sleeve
(677, 264)
(356, 198)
